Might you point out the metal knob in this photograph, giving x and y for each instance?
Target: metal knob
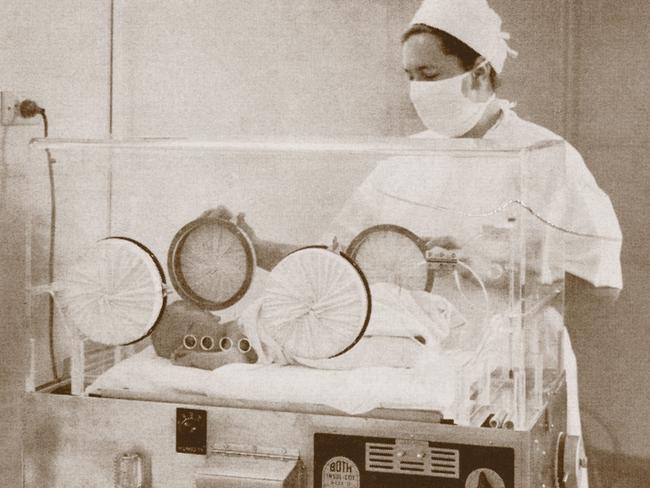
(189, 425)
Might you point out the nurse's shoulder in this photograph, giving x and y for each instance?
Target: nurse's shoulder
(512, 129)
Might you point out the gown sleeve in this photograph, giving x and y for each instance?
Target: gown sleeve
(593, 250)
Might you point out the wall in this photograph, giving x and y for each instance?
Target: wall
(56, 53)
(610, 127)
(299, 67)
(266, 67)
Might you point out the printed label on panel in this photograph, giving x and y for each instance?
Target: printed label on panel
(340, 472)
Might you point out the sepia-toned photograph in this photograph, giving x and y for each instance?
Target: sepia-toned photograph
(324, 244)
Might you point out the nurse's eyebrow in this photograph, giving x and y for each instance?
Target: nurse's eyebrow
(422, 68)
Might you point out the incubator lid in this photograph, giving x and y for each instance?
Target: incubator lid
(387, 145)
(436, 174)
(479, 180)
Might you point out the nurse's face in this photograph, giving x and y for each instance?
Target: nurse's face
(424, 60)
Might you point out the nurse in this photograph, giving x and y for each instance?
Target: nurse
(453, 53)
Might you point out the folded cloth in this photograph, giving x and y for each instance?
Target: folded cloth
(392, 352)
(397, 313)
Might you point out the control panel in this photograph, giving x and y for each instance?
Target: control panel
(342, 461)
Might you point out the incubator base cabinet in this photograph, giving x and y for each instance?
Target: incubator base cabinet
(77, 442)
(323, 314)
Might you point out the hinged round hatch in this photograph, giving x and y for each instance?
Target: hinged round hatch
(390, 253)
(316, 304)
(211, 262)
(114, 292)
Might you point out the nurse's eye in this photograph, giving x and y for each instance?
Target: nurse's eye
(430, 76)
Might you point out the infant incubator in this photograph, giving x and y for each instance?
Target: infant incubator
(361, 313)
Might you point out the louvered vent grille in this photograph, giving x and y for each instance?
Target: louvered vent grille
(426, 461)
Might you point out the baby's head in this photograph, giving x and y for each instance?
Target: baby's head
(185, 328)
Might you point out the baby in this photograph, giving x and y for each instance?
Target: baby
(191, 336)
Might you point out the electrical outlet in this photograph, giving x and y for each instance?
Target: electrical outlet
(10, 103)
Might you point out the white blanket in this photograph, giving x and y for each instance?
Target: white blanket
(429, 387)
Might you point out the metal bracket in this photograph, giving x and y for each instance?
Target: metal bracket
(335, 246)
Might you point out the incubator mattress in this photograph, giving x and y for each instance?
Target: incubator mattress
(353, 391)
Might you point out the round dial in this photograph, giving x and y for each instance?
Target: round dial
(211, 263)
(113, 293)
(316, 305)
(392, 254)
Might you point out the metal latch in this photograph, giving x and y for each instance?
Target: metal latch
(441, 260)
(250, 466)
(251, 450)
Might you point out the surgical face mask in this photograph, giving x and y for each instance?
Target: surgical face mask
(443, 108)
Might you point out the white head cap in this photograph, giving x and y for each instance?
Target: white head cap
(471, 21)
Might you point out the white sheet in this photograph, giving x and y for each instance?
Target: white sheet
(429, 387)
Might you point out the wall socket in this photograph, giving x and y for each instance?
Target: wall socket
(10, 103)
